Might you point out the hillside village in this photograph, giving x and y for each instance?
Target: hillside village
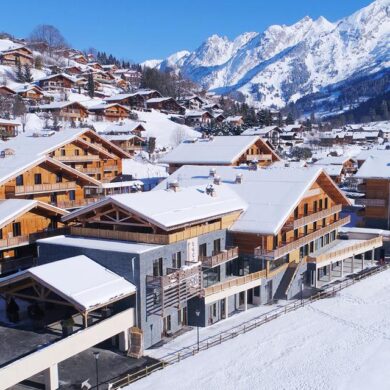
(183, 211)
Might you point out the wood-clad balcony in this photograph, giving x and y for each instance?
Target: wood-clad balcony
(110, 168)
(11, 242)
(90, 171)
(219, 258)
(79, 158)
(303, 220)
(259, 157)
(349, 251)
(50, 187)
(371, 202)
(73, 204)
(303, 239)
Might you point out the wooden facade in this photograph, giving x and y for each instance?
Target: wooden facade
(13, 57)
(71, 111)
(8, 128)
(165, 104)
(57, 82)
(129, 143)
(110, 112)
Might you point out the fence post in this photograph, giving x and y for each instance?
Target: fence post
(220, 338)
(178, 357)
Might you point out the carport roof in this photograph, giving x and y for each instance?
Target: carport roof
(78, 280)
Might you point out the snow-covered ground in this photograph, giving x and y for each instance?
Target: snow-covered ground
(336, 343)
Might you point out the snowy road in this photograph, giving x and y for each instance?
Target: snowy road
(336, 343)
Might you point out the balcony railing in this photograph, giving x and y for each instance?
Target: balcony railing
(53, 187)
(81, 157)
(219, 258)
(72, 204)
(12, 265)
(14, 241)
(371, 202)
(304, 220)
(90, 171)
(353, 249)
(296, 243)
(259, 157)
(110, 168)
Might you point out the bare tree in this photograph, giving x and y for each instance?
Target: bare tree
(178, 136)
(50, 35)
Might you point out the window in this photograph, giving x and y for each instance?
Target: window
(323, 222)
(214, 309)
(217, 246)
(176, 260)
(53, 198)
(59, 178)
(38, 178)
(320, 204)
(182, 316)
(256, 291)
(167, 324)
(284, 237)
(275, 241)
(63, 152)
(158, 267)
(305, 230)
(295, 234)
(19, 180)
(77, 152)
(315, 225)
(99, 176)
(1, 234)
(326, 203)
(16, 229)
(315, 206)
(72, 195)
(305, 209)
(203, 250)
(296, 213)
(312, 247)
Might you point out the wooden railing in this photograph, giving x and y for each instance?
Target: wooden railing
(238, 281)
(219, 258)
(304, 220)
(111, 167)
(259, 157)
(173, 277)
(344, 253)
(90, 171)
(14, 241)
(371, 202)
(29, 189)
(81, 157)
(303, 240)
(70, 204)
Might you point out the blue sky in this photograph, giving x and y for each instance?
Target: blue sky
(145, 29)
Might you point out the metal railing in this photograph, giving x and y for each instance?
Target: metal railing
(300, 241)
(244, 327)
(219, 258)
(371, 202)
(30, 189)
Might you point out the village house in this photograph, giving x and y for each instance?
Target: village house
(167, 104)
(9, 128)
(73, 70)
(66, 111)
(229, 150)
(110, 112)
(198, 118)
(375, 176)
(130, 143)
(235, 120)
(22, 222)
(6, 91)
(338, 167)
(17, 55)
(191, 102)
(57, 82)
(270, 133)
(30, 92)
(80, 58)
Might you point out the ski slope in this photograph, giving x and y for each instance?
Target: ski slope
(336, 343)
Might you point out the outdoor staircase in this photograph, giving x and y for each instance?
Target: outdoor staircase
(292, 273)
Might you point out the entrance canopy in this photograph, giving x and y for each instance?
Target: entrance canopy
(78, 280)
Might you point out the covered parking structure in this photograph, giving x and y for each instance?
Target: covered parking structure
(340, 258)
(75, 292)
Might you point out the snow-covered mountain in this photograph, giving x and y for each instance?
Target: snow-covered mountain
(284, 63)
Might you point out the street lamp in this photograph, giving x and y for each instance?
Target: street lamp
(302, 285)
(197, 312)
(96, 355)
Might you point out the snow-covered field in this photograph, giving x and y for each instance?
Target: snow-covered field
(336, 343)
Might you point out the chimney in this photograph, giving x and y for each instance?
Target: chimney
(217, 180)
(174, 185)
(213, 172)
(210, 190)
(238, 178)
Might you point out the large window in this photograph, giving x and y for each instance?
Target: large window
(19, 180)
(38, 178)
(16, 229)
(305, 209)
(176, 260)
(158, 267)
(211, 276)
(217, 246)
(203, 250)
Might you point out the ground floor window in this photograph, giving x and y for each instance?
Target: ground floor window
(167, 324)
(182, 316)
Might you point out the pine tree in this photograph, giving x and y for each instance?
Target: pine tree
(38, 62)
(289, 119)
(28, 78)
(280, 119)
(19, 72)
(91, 86)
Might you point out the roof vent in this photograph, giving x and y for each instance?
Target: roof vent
(174, 185)
(217, 180)
(213, 172)
(210, 190)
(239, 178)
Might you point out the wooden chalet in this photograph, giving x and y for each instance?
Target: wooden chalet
(22, 222)
(22, 55)
(110, 112)
(167, 104)
(191, 102)
(229, 150)
(80, 58)
(95, 65)
(73, 70)
(6, 91)
(194, 118)
(236, 120)
(30, 92)
(130, 143)
(57, 82)
(8, 128)
(66, 111)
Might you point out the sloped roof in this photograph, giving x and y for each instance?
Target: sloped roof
(375, 167)
(271, 194)
(219, 150)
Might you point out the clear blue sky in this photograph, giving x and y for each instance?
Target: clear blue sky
(145, 29)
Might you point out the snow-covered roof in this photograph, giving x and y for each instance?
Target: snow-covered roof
(58, 105)
(331, 169)
(80, 281)
(64, 75)
(271, 194)
(9, 122)
(235, 118)
(7, 44)
(106, 106)
(99, 244)
(159, 99)
(219, 150)
(169, 209)
(334, 160)
(121, 137)
(364, 154)
(259, 131)
(375, 167)
(12, 208)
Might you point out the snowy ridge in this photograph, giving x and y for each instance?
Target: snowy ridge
(285, 63)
